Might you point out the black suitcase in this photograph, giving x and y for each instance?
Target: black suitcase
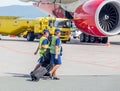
(44, 69)
(39, 73)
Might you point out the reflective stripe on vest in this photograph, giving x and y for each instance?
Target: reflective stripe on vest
(52, 47)
(42, 50)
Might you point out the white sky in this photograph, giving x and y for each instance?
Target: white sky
(12, 2)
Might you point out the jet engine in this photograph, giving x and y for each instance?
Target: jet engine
(98, 17)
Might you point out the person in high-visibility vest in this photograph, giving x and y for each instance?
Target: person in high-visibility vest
(55, 49)
(43, 45)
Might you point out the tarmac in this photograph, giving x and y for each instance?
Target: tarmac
(85, 66)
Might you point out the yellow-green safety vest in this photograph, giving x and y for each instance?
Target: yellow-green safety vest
(52, 47)
(42, 50)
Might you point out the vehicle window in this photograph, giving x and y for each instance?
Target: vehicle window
(62, 24)
(50, 23)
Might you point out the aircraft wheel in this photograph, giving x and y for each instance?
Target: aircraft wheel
(74, 37)
(82, 37)
(87, 38)
(92, 39)
(105, 40)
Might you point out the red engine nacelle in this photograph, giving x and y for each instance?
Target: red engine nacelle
(99, 17)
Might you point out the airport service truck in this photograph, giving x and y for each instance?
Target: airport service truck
(11, 25)
(50, 23)
(33, 28)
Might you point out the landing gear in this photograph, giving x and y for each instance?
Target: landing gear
(92, 39)
(87, 38)
(105, 40)
(82, 37)
(74, 37)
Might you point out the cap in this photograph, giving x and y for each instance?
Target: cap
(57, 30)
(45, 30)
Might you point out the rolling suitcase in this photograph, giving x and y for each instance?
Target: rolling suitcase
(44, 69)
(41, 72)
(37, 74)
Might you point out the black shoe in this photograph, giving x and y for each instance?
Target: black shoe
(31, 72)
(55, 78)
(47, 74)
(50, 75)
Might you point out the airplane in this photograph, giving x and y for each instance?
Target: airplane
(97, 19)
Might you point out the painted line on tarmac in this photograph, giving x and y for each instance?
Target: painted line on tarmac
(100, 65)
(14, 50)
(90, 63)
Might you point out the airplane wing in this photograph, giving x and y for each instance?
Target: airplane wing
(57, 1)
(57, 7)
(75, 4)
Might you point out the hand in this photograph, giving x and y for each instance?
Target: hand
(56, 57)
(35, 53)
(48, 48)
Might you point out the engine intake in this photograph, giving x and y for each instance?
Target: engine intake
(108, 17)
(98, 18)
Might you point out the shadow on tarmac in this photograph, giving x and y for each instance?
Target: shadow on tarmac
(115, 43)
(17, 40)
(76, 42)
(83, 43)
(18, 75)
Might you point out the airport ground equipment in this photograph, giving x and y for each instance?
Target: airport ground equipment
(33, 28)
(12, 25)
(50, 23)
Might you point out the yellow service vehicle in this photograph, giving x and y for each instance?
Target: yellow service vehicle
(11, 25)
(33, 28)
(50, 23)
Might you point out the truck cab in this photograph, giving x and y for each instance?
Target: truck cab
(65, 26)
(51, 24)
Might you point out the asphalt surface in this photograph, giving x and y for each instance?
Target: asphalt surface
(85, 66)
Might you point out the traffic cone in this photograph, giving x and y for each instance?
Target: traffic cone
(108, 44)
